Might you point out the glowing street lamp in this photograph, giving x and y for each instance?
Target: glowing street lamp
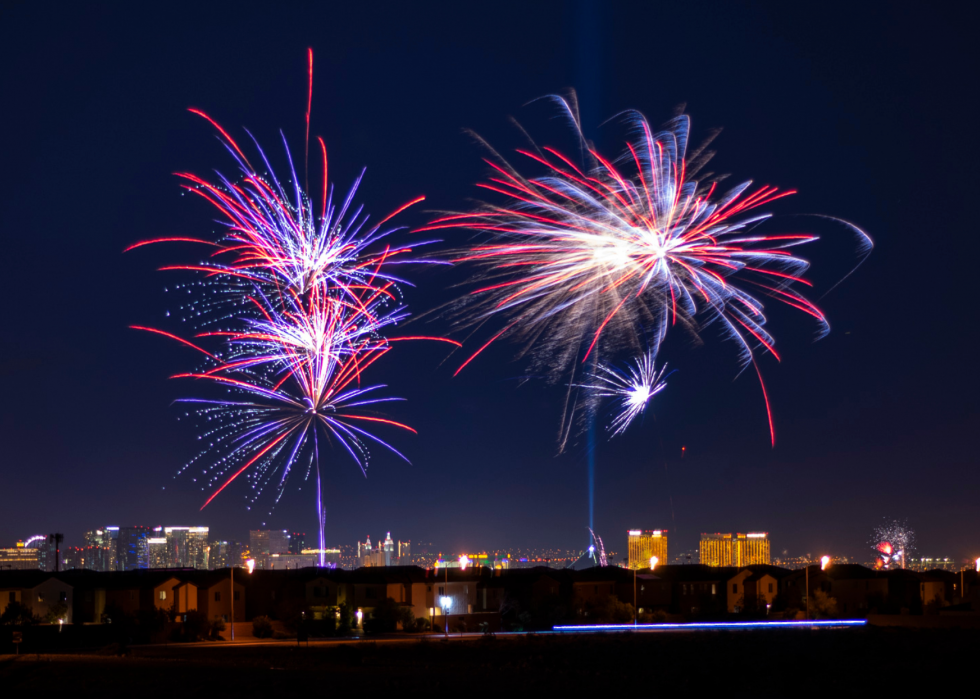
(824, 562)
(978, 565)
(446, 602)
(653, 562)
(250, 564)
(360, 617)
(464, 561)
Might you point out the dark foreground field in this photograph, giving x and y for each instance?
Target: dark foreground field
(787, 662)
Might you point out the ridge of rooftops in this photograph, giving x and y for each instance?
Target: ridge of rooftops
(406, 574)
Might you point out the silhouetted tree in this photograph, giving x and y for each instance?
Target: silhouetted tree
(57, 612)
(387, 615)
(822, 605)
(18, 614)
(262, 627)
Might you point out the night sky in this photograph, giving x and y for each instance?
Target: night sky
(865, 109)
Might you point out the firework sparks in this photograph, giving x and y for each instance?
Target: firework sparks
(631, 388)
(892, 542)
(615, 251)
(299, 301)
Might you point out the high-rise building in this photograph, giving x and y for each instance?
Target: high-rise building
(102, 541)
(735, 549)
(156, 547)
(131, 548)
(404, 550)
(751, 549)
(716, 549)
(47, 551)
(297, 542)
(225, 554)
(373, 559)
(20, 557)
(187, 547)
(389, 549)
(364, 548)
(644, 545)
(263, 542)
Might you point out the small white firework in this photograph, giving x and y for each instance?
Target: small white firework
(632, 387)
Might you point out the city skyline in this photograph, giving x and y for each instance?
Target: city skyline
(636, 545)
(874, 422)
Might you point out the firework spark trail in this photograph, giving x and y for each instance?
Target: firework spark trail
(594, 256)
(893, 542)
(300, 304)
(632, 388)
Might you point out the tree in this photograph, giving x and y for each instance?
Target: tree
(216, 627)
(18, 614)
(262, 627)
(822, 605)
(609, 610)
(57, 612)
(196, 626)
(387, 615)
(150, 624)
(346, 621)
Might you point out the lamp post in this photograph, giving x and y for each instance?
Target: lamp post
(808, 590)
(446, 602)
(251, 566)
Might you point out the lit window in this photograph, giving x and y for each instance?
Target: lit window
(163, 594)
(40, 596)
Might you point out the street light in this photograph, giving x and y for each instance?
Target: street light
(250, 563)
(978, 565)
(446, 602)
(653, 562)
(824, 562)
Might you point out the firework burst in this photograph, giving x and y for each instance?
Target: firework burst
(299, 301)
(631, 389)
(612, 252)
(893, 542)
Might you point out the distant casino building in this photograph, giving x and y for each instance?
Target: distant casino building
(297, 542)
(187, 547)
(268, 541)
(20, 557)
(157, 550)
(131, 551)
(644, 545)
(735, 549)
(225, 554)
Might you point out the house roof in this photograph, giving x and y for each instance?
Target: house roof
(22, 579)
(696, 573)
(775, 571)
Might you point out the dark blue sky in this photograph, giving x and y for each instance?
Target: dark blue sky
(866, 111)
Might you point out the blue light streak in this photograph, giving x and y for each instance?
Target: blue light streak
(715, 625)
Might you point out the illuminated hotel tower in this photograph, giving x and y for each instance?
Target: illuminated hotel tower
(735, 549)
(643, 545)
